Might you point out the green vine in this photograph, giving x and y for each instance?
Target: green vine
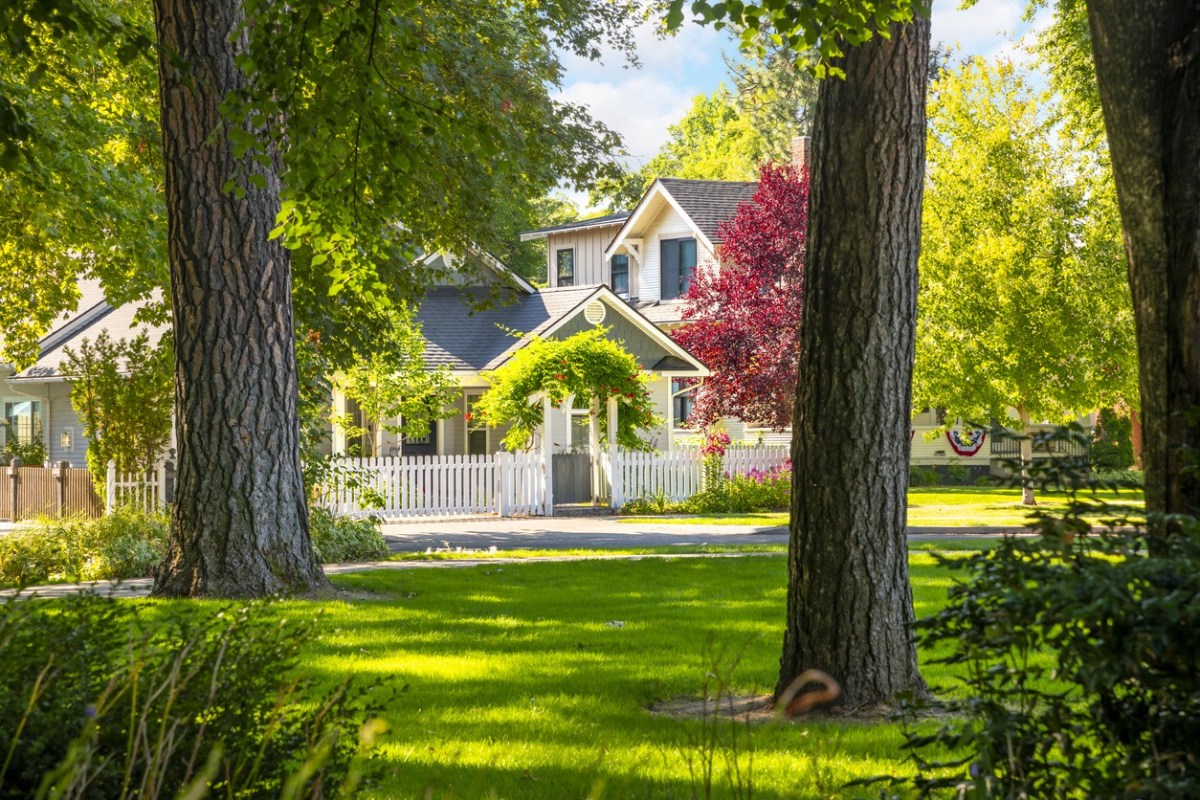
(587, 365)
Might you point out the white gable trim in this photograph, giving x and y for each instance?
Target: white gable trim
(647, 327)
(656, 190)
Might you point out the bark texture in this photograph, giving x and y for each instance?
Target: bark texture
(240, 524)
(1148, 72)
(849, 599)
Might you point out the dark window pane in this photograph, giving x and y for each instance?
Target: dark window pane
(620, 274)
(678, 265)
(566, 267)
(687, 264)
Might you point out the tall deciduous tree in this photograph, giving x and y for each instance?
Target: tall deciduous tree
(754, 298)
(353, 136)
(1024, 298)
(849, 598)
(1147, 59)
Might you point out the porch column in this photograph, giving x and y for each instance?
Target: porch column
(611, 461)
(594, 449)
(338, 434)
(547, 456)
(670, 413)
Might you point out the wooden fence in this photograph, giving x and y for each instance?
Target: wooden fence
(29, 492)
(436, 486)
(678, 475)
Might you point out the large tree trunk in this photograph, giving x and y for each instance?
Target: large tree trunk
(1149, 77)
(239, 525)
(849, 599)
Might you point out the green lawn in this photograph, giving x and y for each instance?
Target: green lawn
(515, 686)
(943, 506)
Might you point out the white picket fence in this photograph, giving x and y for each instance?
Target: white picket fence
(143, 491)
(678, 475)
(436, 486)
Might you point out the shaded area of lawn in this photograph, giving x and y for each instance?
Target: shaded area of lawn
(519, 681)
(941, 507)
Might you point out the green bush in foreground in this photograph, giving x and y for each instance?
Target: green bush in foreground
(336, 539)
(1080, 660)
(130, 543)
(125, 544)
(108, 699)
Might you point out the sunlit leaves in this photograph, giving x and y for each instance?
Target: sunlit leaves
(1024, 300)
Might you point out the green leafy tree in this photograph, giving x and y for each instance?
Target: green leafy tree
(393, 383)
(352, 137)
(122, 391)
(1024, 298)
(587, 365)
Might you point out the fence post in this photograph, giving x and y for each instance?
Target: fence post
(14, 474)
(160, 487)
(547, 458)
(60, 475)
(110, 487)
(504, 466)
(168, 482)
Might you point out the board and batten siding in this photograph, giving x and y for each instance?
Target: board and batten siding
(647, 351)
(591, 268)
(669, 224)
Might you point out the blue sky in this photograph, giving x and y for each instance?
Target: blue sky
(642, 103)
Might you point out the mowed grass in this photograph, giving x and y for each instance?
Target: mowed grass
(517, 682)
(941, 506)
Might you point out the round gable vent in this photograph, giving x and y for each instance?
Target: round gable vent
(594, 312)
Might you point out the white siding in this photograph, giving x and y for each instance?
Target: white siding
(669, 224)
(62, 416)
(591, 268)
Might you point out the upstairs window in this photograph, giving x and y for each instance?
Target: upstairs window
(620, 274)
(565, 260)
(678, 266)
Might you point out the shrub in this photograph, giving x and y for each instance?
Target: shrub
(957, 474)
(1078, 653)
(922, 476)
(108, 699)
(337, 539)
(1111, 447)
(1118, 477)
(757, 490)
(125, 544)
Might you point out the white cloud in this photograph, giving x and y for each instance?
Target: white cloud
(639, 108)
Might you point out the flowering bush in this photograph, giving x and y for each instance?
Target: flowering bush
(756, 490)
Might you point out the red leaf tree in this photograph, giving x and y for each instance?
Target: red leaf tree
(744, 320)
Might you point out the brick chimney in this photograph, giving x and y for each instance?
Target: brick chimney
(801, 152)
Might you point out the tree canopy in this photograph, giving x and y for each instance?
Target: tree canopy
(726, 135)
(1024, 297)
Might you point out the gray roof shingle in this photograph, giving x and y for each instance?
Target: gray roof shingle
(462, 340)
(709, 203)
(607, 219)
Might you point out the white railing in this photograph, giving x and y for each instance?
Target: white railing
(678, 475)
(436, 486)
(144, 491)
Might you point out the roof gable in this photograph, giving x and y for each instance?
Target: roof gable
(709, 203)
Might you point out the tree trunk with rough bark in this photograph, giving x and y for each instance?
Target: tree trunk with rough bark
(239, 525)
(849, 599)
(1148, 70)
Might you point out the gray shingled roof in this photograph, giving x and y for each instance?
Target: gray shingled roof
(612, 219)
(709, 203)
(456, 338)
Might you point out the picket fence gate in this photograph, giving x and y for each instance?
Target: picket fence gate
(150, 491)
(676, 476)
(506, 484)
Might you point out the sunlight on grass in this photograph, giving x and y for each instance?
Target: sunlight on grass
(942, 506)
(534, 681)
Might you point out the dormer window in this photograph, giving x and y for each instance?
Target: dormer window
(565, 261)
(620, 274)
(678, 266)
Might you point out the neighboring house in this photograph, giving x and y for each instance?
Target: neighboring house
(471, 342)
(36, 401)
